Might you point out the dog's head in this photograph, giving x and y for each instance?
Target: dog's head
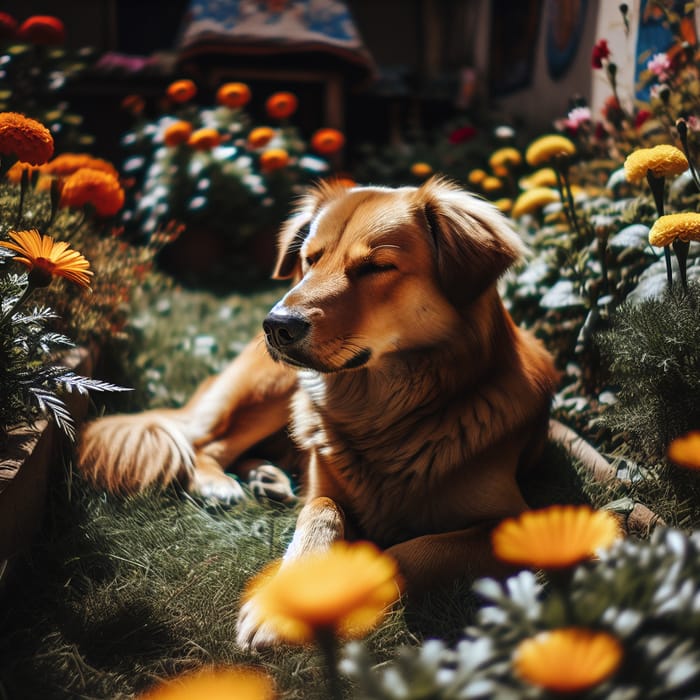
(381, 270)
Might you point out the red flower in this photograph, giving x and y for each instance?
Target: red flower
(8, 26)
(462, 134)
(601, 51)
(641, 117)
(42, 29)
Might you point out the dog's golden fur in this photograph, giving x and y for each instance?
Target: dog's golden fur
(415, 400)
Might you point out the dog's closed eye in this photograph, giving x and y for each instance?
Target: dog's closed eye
(371, 267)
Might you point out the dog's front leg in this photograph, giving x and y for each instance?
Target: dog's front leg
(320, 523)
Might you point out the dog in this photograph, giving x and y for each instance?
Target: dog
(413, 400)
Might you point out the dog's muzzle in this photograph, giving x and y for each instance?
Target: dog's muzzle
(285, 330)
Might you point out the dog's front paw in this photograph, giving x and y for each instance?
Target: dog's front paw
(252, 632)
(221, 488)
(270, 481)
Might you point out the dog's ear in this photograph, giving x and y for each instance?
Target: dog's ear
(295, 230)
(474, 245)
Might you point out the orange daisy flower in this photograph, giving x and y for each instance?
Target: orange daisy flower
(345, 590)
(557, 537)
(260, 137)
(685, 450)
(281, 105)
(99, 189)
(204, 139)
(177, 133)
(47, 258)
(42, 29)
(421, 169)
(327, 141)
(182, 90)
(233, 95)
(568, 660)
(273, 159)
(240, 682)
(24, 138)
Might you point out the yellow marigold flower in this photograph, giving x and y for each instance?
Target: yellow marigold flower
(182, 90)
(546, 148)
(260, 137)
(544, 177)
(555, 538)
(273, 159)
(345, 591)
(476, 176)
(204, 139)
(685, 450)
(505, 204)
(47, 258)
(532, 200)
(95, 187)
(505, 158)
(491, 184)
(327, 141)
(233, 95)
(177, 133)
(421, 169)
(661, 161)
(666, 229)
(568, 660)
(239, 682)
(24, 138)
(68, 163)
(281, 105)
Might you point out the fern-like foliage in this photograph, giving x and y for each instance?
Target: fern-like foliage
(653, 356)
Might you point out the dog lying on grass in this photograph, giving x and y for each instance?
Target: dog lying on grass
(412, 398)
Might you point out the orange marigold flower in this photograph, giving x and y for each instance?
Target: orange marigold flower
(345, 590)
(233, 95)
(47, 258)
(24, 138)
(14, 174)
(204, 139)
(491, 184)
(182, 90)
(42, 29)
(327, 141)
(260, 137)
(685, 225)
(421, 169)
(532, 200)
(66, 164)
(661, 161)
(568, 660)
(547, 148)
(685, 450)
(94, 187)
(557, 537)
(177, 133)
(273, 159)
(281, 105)
(134, 104)
(239, 682)
(476, 176)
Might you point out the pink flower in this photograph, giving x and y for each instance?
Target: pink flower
(601, 52)
(660, 66)
(577, 117)
(693, 123)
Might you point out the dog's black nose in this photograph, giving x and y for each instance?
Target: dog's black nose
(284, 328)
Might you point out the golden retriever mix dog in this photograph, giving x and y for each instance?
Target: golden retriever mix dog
(412, 397)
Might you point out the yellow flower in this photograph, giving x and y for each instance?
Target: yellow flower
(47, 258)
(666, 229)
(476, 176)
(95, 187)
(547, 148)
(204, 139)
(533, 200)
(421, 169)
(24, 138)
(182, 90)
(568, 660)
(177, 133)
(233, 95)
(345, 590)
(505, 158)
(281, 105)
(504, 204)
(544, 177)
(662, 161)
(260, 136)
(273, 159)
(685, 450)
(556, 537)
(239, 683)
(327, 141)
(491, 184)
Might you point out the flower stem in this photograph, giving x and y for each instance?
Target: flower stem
(327, 644)
(656, 185)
